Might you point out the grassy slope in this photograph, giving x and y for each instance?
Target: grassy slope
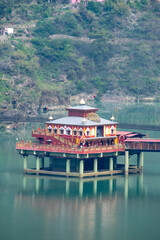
(114, 47)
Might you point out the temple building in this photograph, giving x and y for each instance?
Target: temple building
(83, 144)
(82, 127)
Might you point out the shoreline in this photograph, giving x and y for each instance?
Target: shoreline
(15, 122)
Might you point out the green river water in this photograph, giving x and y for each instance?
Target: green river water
(113, 208)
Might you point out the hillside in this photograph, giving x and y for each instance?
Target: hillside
(59, 51)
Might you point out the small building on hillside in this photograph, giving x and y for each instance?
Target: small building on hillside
(6, 31)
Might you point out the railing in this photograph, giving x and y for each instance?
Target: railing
(63, 149)
(40, 132)
(45, 132)
(146, 146)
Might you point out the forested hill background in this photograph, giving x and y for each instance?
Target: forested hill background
(60, 50)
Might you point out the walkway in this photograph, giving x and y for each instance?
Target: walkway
(143, 144)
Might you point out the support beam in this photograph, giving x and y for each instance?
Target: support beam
(37, 163)
(67, 166)
(140, 160)
(126, 162)
(25, 162)
(110, 164)
(95, 165)
(81, 168)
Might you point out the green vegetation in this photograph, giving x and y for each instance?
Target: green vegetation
(114, 45)
(5, 87)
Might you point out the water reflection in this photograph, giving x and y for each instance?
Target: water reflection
(85, 208)
(56, 187)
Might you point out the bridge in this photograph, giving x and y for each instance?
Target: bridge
(142, 144)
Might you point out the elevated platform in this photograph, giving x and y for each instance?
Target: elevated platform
(73, 161)
(40, 149)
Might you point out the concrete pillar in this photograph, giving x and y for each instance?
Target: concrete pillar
(95, 165)
(110, 164)
(25, 162)
(126, 162)
(37, 163)
(81, 168)
(140, 160)
(42, 162)
(67, 166)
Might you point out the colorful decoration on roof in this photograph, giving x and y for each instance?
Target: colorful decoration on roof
(93, 117)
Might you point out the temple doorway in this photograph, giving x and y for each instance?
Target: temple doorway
(100, 131)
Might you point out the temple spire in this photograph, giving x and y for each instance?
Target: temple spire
(82, 102)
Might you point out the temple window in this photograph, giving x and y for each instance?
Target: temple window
(68, 131)
(112, 130)
(88, 133)
(80, 132)
(75, 133)
(61, 130)
(49, 129)
(55, 131)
